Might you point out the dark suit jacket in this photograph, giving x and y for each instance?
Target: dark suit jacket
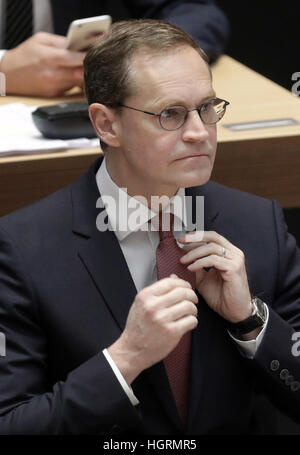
(200, 18)
(65, 292)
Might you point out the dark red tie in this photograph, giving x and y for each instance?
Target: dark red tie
(177, 363)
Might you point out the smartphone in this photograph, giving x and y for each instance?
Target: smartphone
(83, 33)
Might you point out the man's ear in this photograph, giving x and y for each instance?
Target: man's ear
(104, 121)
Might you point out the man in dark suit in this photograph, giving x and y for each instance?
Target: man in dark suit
(42, 66)
(93, 311)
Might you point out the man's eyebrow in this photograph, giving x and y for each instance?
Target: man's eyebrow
(180, 102)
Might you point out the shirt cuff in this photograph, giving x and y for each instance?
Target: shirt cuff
(249, 348)
(2, 52)
(127, 389)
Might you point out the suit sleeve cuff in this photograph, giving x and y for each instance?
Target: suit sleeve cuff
(249, 348)
(127, 389)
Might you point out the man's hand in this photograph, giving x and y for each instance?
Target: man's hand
(159, 316)
(225, 285)
(42, 66)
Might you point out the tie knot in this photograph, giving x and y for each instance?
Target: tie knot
(166, 224)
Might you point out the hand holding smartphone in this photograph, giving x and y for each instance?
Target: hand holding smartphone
(83, 33)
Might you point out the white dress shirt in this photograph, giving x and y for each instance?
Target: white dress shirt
(139, 244)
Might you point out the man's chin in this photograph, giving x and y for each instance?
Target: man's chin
(198, 179)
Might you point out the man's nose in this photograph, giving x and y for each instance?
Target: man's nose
(194, 129)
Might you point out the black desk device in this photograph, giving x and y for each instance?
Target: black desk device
(64, 121)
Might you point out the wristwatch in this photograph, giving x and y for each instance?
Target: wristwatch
(256, 320)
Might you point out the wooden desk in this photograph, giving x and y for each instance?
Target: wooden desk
(262, 161)
(265, 161)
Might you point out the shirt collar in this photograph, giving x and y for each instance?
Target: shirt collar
(122, 209)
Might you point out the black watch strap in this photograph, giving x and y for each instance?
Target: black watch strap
(256, 320)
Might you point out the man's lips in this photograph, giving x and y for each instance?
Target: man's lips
(192, 155)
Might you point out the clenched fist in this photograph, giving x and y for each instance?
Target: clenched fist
(159, 316)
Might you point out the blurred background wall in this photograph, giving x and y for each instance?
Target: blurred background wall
(265, 36)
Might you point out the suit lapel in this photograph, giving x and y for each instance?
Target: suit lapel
(100, 252)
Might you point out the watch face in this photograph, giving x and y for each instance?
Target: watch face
(261, 310)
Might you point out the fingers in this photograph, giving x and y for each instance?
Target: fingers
(210, 242)
(50, 39)
(186, 324)
(54, 82)
(212, 250)
(205, 237)
(178, 311)
(168, 300)
(230, 266)
(213, 260)
(63, 57)
(166, 285)
(166, 293)
(56, 53)
(177, 295)
(68, 77)
(41, 66)
(204, 250)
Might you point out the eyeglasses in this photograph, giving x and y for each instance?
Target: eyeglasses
(172, 118)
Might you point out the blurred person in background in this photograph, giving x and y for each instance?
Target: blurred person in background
(34, 57)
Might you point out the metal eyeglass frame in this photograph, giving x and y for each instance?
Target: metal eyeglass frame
(198, 109)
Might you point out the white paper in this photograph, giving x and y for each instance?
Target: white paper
(18, 133)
